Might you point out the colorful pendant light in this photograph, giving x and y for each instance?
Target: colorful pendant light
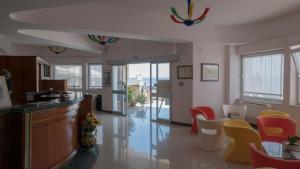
(103, 40)
(188, 21)
(57, 49)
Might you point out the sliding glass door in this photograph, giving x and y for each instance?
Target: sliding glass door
(119, 89)
(160, 93)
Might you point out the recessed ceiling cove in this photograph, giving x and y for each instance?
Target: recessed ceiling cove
(75, 41)
(230, 21)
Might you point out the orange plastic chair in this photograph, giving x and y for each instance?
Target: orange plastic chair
(240, 134)
(276, 128)
(260, 159)
(206, 111)
(269, 113)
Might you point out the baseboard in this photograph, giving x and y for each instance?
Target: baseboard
(104, 111)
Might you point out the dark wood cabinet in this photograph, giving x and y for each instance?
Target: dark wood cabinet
(27, 72)
(11, 147)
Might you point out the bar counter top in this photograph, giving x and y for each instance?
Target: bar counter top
(39, 106)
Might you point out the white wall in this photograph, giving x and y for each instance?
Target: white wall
(209, 93)
(182, 96)
(233, 74)
(131, 50)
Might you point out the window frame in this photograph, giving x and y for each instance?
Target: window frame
(259, 54)
(293, 51)
(71, 88)
(89, 75)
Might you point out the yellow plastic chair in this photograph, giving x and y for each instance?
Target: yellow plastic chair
(240, 134)
(268, 113)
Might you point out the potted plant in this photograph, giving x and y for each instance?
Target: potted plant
(292, 144)
(131, 98)
(89, 131)
(141, 98)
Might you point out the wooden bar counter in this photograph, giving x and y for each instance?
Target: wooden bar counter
(49, 135)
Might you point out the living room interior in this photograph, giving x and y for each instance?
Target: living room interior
(160, 84)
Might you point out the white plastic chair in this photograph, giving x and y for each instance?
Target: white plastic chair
(235, 111)
(211, 134)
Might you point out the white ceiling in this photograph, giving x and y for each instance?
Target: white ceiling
(223, 13)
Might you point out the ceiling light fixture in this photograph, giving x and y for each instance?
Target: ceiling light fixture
(57, 49)
(103, 40)
(189, 21)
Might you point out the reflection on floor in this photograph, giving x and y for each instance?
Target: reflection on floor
(134, 142)
(144, 112)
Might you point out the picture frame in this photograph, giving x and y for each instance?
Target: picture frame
(185, 72)
(209, 72)
(5, 101)
(107, 78)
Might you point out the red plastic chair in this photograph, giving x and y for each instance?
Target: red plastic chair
(276, 129)
(206, 111)
(260, 159)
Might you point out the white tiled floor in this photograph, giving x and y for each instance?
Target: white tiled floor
(136, 143)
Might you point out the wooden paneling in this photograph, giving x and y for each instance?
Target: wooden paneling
(57, 85)
(3, 62)
(6, 137)
(29, 73)
(54, 136)
(85, 108)
(24, 75)
(14, 65)
(11, 142)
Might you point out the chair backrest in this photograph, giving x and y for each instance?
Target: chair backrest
(260, 159)
(209, 127)
(209, 112)
(242, 132)
(235, 111)
(276, 128)
(268, 113)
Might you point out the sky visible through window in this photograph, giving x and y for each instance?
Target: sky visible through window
(71, 73)
(263, 76)
(141, 72)
(95, 76)
(144, 70)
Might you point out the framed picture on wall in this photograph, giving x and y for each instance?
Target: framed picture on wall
(185, 72)
(4, 95)
(106, 78)
(209, 72)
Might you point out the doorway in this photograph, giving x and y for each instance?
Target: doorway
(139, 90)
(119, 89)
(142, 90)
